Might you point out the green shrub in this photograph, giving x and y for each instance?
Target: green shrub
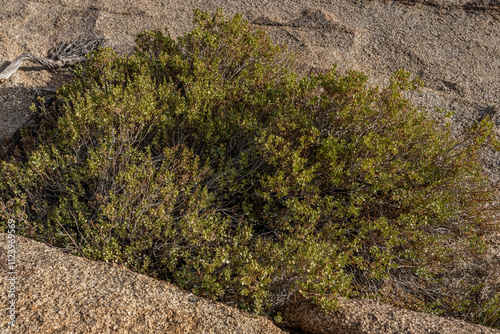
(208, 162)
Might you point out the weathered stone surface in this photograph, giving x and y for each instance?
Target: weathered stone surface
(370, 317)
(454, 45)
(61, 293)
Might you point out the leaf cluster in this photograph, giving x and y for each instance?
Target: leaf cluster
(208, 162)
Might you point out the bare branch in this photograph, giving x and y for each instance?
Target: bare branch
(65, 54)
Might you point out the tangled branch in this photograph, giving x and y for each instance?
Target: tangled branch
(65, 54)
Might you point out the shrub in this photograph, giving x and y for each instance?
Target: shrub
(208, 162)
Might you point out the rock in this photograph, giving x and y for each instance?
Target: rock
(61, 293)
(371, 317)
(451, 44)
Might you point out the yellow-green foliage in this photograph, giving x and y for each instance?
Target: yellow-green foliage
(208, 162)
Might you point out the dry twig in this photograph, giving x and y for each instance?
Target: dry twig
(65, 54)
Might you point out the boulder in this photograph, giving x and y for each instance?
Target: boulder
(362, 316)
(56, 292)
(453, 45)
(60, 293)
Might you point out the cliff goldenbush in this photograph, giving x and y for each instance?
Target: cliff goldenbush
(209, 162)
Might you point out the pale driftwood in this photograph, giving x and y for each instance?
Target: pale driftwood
(65, 54)
(14, 66)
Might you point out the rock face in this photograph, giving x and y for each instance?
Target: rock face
(367, 317)
(453, 45)
(61, 293)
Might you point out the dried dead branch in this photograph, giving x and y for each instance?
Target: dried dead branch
(64, 54)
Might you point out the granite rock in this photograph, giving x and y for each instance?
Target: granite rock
(60, 293)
